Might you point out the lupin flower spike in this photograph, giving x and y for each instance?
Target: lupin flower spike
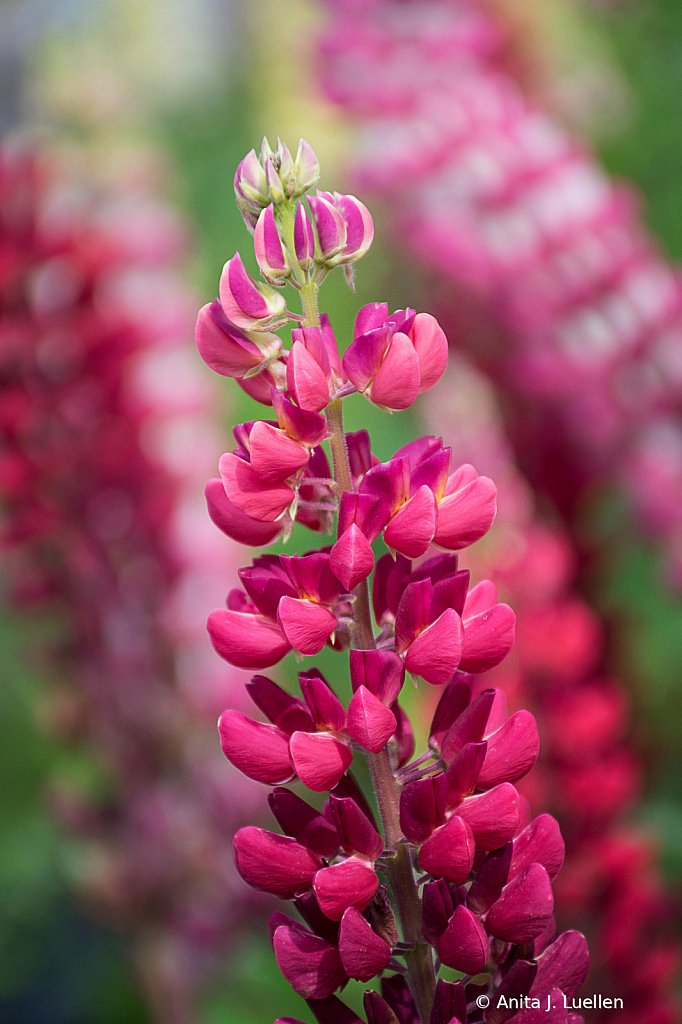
(454, 814)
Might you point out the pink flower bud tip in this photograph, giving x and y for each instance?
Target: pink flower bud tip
(271, 256)
(247, 303)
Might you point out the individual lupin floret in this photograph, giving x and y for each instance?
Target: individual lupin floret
(248, 304)
(271, 255)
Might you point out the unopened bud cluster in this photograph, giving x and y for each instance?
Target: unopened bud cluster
(457, 856)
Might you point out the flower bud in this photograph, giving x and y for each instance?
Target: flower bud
(275, 187)
(381, 672)
(250, 188)
(274, 863)
(363, 953)
(306, 380)
(325, 707)
(304, 238)
(271, 255)
(437, 909)
(247, 303)
(329, 227)
(359, 228)
(306, 168)
(450, 1003)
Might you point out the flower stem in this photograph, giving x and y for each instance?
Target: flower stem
(419, 959)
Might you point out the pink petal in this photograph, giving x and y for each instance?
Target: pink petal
(422, 807)
(524, 908)
(493, 816)
(274, 863)
(512, 751)
(236, 524)
(258, 750)
(352, 883)
(319, 759)
(431, 347)
(274, 455)
(363, 953)
(249, 493)
(464, 943)
(246, 640)
(449, 851)
(411, 529)
(382, 672)
(312, 966)
(436, 652)
(467, 514)
(396, 384)
(480, 599)
(222, 353)
(488, 638)
(306, 380)
(270, 254)
(563, 965)
(370, 723)
(540, 843)
(307, 625)
(351, 559)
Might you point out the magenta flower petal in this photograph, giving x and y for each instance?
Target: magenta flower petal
(431, 347)
(246, 640)
(236, 524)
(275, 455)
(320, 759)
(436, 652)
(563, 965)
(488, 638)
(230, 354)
(512, 751)
(524, 908)
(370, 723)
(469, 726)
(307, 625)
(312, 966)
(466, 515)
(304, 238)
(464, 943)
(437, 909)
(411, 529)
(249, 493)
(351, 559)
(381, 672)
(248, 304)
(449, 851)
(271, 255)
(274, 863)
(287, 712)
(363, 357)
(306, 379)
(463, 772)
(369, 317)
(396, 384)
(352, 883)
(422, 807)
(540, 842)
(493, 816)
(454, 699)
(258, 750)
(329, 224)
(359, 226)
(358, 834)
(302, 425)
(363, 953)
(413, 613)
(325, 707)
(307, 826)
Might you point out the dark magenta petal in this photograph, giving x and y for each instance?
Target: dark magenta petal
(516, 983)
(381, 672)
(488, 638)
(435, 653)
(449, 851)
(437, 909)
(493, 816)
(309, 427)
(449, 592)
(359, 454)
(377, 1009)
(467, 514)
(463, 772)
(563, 965)
(284, 709)
(539, 843)
(311, 337)
(404, 735)
(332, 1011)
(449, 1004)
(396, 992)
(432, 472)
(247, 641)
(236, 524)
(370, 723)
(413, 614)
(258, 750)
(311, 966)
(352, 883)
(454, 699)
(305, 824)
(512, 751)
(309, 909)
(422, 807)
(320, 759)
(306, 380)
(325, 707)
(356, 831)
(274, 863)
(388, 481)
(363, 357)
(490, 880)
(368, 511)
(524, 907)
(468, 727)
(363, 953)
(351, 559)
(464, 943)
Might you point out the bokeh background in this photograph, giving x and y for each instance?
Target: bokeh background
(138, 114)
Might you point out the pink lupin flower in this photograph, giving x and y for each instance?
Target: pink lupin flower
(329, 226)
(306, 379)
(464, 943)
(274, 863)
(304, 238)
(488, 629)
(271, 256)
(357, 224)
(248, 304)
(311, 965)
